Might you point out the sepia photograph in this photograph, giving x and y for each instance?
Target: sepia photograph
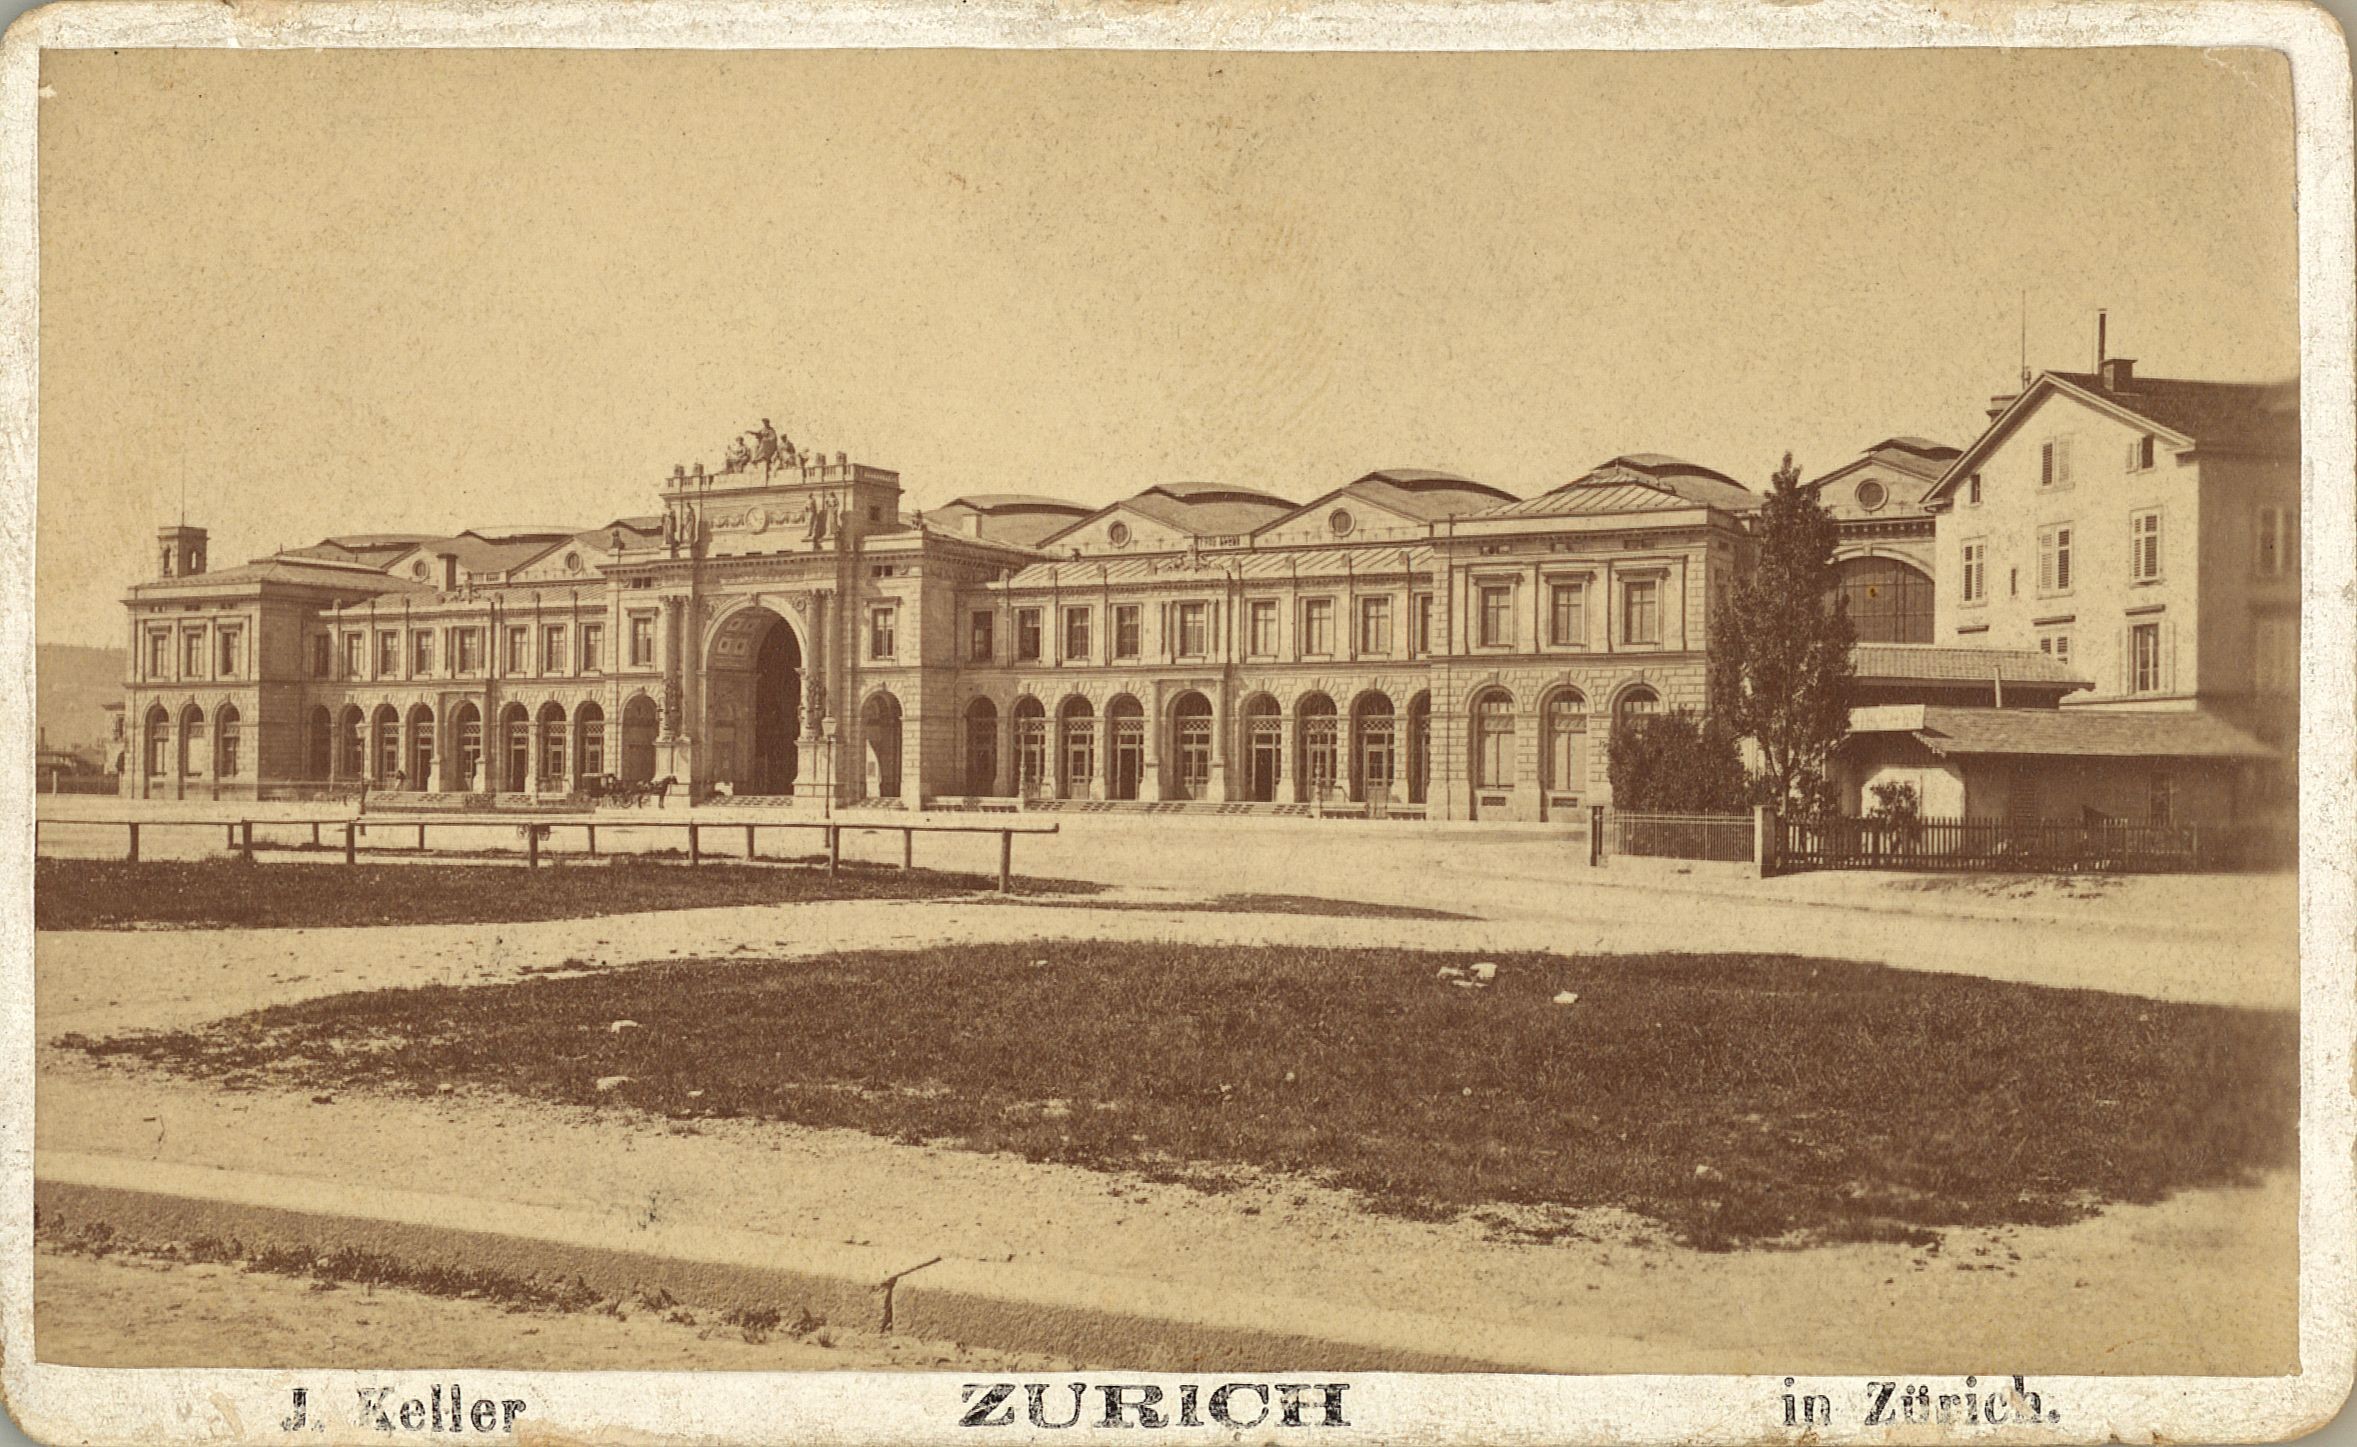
(1205, 739)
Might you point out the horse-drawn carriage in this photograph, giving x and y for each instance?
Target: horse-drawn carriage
(631, 793)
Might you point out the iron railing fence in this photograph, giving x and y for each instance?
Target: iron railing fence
(2039, 846)
(1725, 837)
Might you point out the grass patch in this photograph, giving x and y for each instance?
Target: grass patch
(233, 894)
(1733, 1098)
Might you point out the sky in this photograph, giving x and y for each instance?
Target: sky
(307, 293)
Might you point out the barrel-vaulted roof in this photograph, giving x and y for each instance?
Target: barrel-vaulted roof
(1636, 482)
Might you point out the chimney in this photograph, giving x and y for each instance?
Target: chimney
(1997, 405)
(449, 562)
(183, 550)
(2119, 373)
(2102, 337)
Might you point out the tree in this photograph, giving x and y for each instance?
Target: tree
(1669, 763)
(1780, 652)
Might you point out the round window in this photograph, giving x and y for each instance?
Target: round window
(1341, 522)
(1871, 495)
(1118, 535)
(572, 562)
(418, 568)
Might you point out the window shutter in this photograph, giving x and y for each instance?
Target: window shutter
(2168, 668)
(2046, 464)
(2045, 562)
(2127, 664)
(2062, 460)
(2132, 450)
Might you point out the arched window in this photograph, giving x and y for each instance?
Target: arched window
(589, 733)
(1031, 746)
(469, 746)
(1889, 601)
(156, 747)
(228, 739)
(385, 730)
(638, 739)
(515, 738)
(351, 748)
(1264, 748)
(1125, 726)
(1076, 724)
(192, 740)
(1566, 756)
(1319, 725)
(553, 735)
(1636, 706)
(1190, 727)
(1374, 754)
(421, 748)
(981, 747)
(1419, 747)
(1493, 740)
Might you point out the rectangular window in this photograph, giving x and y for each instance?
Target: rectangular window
(2054, 559)
(2056, 646)
(1972, 490)
(159, 656)
(2144, 546)
(192, 654)
(1975, 582)
(1264, 628)
(2275, 655)
(232, 652)
(1129, 630)
(1497, 615)
(979, 642)
(2144, 658)
(2276, 540)
(321, 655)
(388, 653)
(1317, 626)
(1194, 630)
(352, 658)
(1567, 615)
(1027, 631)
(642, 641)
(1374, 625)
(470, 649)
(2140, 453)
(421, 653)
(2054, 463)
(1076, 640)
(593, 655)
(1420, 624)
(552, 648)
(1640, 611)
(883, 626)
(519, 648)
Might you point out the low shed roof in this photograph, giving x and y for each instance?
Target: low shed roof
(2082, 733)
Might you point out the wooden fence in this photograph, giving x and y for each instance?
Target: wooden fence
(537, 834)
(2041, 845)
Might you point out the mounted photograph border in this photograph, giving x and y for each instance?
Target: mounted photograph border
(164, 1406)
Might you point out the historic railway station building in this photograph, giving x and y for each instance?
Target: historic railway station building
(1409, 642)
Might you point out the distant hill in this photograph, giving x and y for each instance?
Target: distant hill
(72, 686)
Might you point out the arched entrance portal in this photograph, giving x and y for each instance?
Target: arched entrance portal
(754, 697)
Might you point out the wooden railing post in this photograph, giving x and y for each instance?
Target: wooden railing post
(592, 828)
(133, 856)
(908, 848)
(749, 845)
(245, 846)
(834, 848)
(421, 837)
(1006, 861)
(531, 846)
(695, 845)
(351, 844)
(1595, 835)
